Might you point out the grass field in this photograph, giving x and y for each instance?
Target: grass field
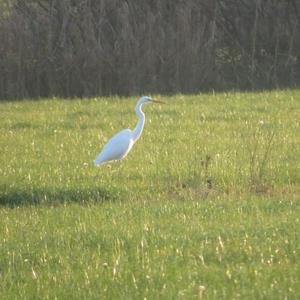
(206, 205)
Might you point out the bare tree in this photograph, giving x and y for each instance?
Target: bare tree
(83, 48)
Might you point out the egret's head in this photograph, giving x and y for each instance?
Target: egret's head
(146, 99)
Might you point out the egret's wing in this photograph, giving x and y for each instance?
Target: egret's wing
(116, 148)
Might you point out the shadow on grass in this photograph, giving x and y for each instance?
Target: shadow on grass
(26, 197)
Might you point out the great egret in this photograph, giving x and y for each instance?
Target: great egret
(121, 143)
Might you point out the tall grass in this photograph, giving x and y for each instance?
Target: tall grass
(206, 205)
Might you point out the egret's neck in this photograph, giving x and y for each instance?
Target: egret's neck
(140, 125)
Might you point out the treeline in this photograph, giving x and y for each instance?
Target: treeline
(80, 48)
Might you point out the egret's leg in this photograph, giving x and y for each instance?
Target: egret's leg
(116, 166)
(116, 171)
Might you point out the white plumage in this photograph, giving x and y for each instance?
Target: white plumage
(121, 143)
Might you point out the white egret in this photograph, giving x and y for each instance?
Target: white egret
(121, 143)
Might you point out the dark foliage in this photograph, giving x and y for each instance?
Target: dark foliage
(99, 47)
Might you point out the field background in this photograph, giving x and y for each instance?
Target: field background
(206, 205)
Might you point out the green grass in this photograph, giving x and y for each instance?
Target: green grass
(205, 206)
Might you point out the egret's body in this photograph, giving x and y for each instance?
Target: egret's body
(117, 147)
(121, 143)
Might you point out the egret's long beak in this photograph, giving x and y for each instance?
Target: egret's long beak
(157, 101)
